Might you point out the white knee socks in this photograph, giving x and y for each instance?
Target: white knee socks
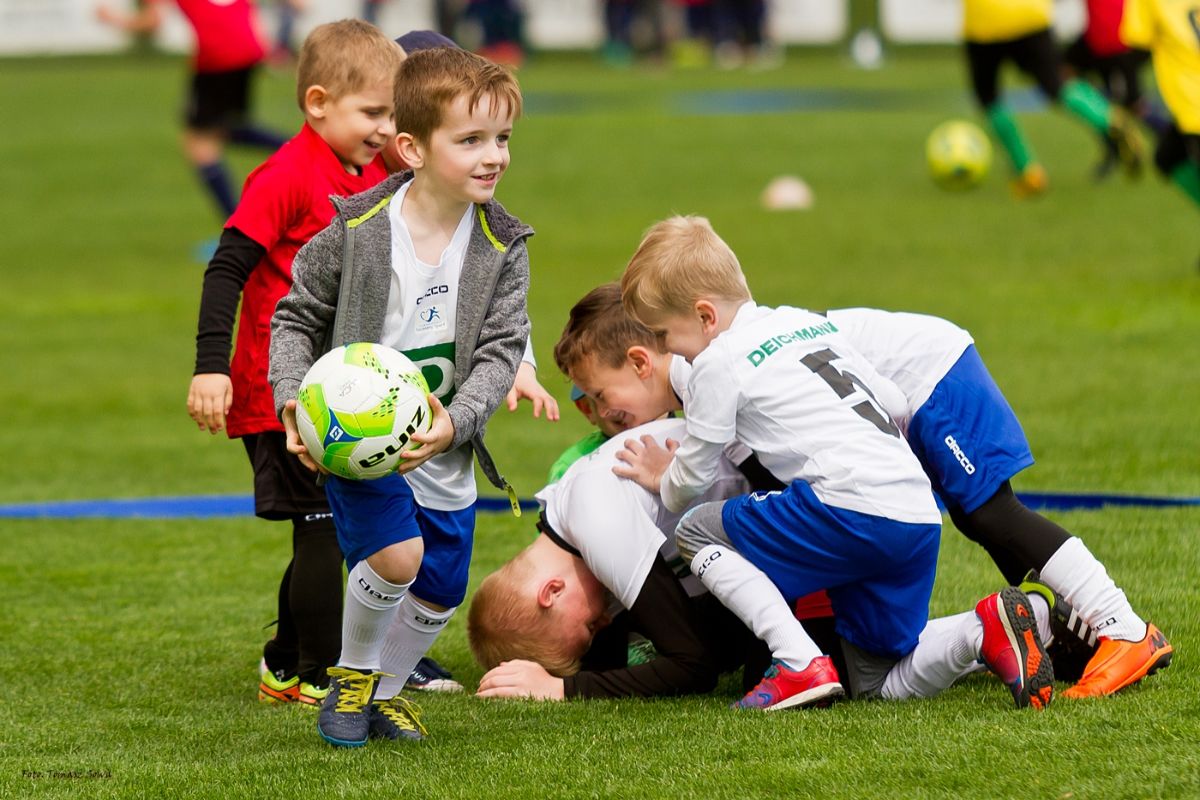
(948, 649)
(749, 594)
(371, 604)
(1075, 573)
(413, 631)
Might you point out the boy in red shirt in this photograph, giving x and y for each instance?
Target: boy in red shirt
(344, 87)
(228, 50)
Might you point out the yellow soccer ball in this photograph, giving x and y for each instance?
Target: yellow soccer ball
(959, 155)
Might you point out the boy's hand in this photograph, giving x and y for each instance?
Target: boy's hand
(645, 462)
(294, 445)
(526, 387)
(521, 679)
(209, 399)
(436, 440)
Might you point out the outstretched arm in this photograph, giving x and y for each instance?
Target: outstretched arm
(145, 19)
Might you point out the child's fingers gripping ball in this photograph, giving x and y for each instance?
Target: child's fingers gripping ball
(358, 408)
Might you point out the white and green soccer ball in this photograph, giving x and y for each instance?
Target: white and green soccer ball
(357, 408)
(959, 154)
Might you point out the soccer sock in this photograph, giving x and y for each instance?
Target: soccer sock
(216, 177)
(1004, 125)
(255, 136)
(412, 633)
(947, 650)
(371, 604)
(1083, 582)
(1041, 613)
(280, 650)
(315, 595)
(1187, 177)
(1085, 101)
(749, 594)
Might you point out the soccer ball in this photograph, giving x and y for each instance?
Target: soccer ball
(357, 408)
(959, 155)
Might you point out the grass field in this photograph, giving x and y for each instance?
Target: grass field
(128, 645)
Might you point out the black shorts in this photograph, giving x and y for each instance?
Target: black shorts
(218, 100)
(1035, 54)
(283, 487)
(1118, 73)
(1174, 148)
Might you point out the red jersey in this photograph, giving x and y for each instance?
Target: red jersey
(285, 202)
(1104, 22)
(226, 31)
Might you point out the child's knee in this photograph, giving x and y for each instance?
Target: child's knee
(398, 563)
(699, 528)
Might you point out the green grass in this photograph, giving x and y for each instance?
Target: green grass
(129, 645)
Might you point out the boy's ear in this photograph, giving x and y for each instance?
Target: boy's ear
(641, 359)
(315, 99)
(549, 591)
(410, 151)
(706, 312)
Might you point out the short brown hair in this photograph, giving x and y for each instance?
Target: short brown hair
(344, 57)
(598, 327)
(680, 260)
(430, 80)
(505, 622)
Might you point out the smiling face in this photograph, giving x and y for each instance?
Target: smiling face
(357, 126)
(467, 153)
(628, 395)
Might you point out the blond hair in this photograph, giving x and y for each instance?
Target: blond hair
(345, 57)
(506, 622)
(680, 260)
(430, 80)
(599, 328)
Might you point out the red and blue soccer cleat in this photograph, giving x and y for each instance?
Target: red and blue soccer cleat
(783, 687)
(1012, 648)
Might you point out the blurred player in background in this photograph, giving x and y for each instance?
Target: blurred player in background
(1170, 30)
(998, 31)
(228, 49)
(1100, 53)
(282, 50)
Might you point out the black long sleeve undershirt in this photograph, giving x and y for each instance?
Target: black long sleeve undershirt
(236, 257)
(663, 614)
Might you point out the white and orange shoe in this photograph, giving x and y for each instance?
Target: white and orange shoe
(1119, 663)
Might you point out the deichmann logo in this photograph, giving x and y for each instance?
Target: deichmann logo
(967, 466)
(778, 342)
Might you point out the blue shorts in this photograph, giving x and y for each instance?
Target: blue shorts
(371, 515)
(967, 437)
(878, 572)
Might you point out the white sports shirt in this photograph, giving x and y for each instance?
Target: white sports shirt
(914, 351)
(421, 312)
(785, 383)
(616, 525)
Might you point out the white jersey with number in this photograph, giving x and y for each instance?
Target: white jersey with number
(616, 525)
(784, 382)
(914, 351)
(421, 312)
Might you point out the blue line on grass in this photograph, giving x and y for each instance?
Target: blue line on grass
(243, 505)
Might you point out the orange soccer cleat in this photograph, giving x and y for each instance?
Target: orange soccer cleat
(1119, 663)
